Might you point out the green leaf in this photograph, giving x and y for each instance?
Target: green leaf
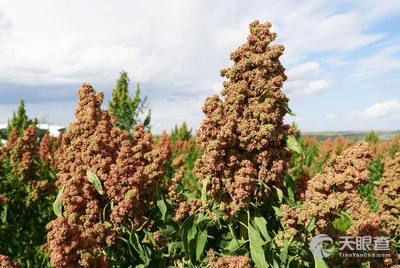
(284, 253)
(4, 217)
(291, 193)
(192, 232)
(189, 195)
(161, 204)
(129, 247)
(186, 228)
(112, 204)
(134, 240)
(34, 161)
(343, 223)
(261, 223)
(200, 218)
(277, 210)
(291, 258)
(287, 109)
(256, 245)
(280, 194)
(290, 202)
(57, 205)
(95, 181)
(276, 264)
(293, 144)
(202, 225)
(201, 242)
(311, 225)
(104, 210)
(320, 263)
(211, 204)
(263, 96)
(169, 228)
(291, 186)
(192, 251)
(234, 245)
(113, 262)
(189, 233)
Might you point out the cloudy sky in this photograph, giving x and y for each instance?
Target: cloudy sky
(341, 57)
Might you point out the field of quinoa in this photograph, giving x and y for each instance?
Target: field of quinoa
(244, 190)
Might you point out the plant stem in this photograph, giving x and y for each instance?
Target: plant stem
(243, 230)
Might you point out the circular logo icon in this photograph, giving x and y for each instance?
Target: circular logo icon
(317, 243)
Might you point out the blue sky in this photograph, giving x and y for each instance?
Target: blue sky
(342, 58)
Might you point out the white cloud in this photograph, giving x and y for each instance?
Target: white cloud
(292, 86)
(379, 110)
(377, 65)
(299, 119)
(166, 118)
(336, 61)
(179, 47)
(389, 84)
(342, 25)
(304, 70)
(231, 38)
(396, 116)
(76, 42)
(320, 29)
(61, 43)
(217, 88)
(318, 86)
(331, 115)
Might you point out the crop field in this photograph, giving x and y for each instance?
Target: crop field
(244, 190)
(360, 135)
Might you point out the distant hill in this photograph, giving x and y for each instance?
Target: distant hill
(382, 134)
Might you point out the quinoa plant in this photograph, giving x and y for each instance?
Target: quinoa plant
(6, 262)
(27, 190)
(388, 195)
(243, 137)
(331, 204)
(101, 173)
(180, 144)
(246, 152)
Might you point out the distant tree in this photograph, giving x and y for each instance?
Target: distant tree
(181, 132)
(126, 110)
(372, 137)
(21, 121)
